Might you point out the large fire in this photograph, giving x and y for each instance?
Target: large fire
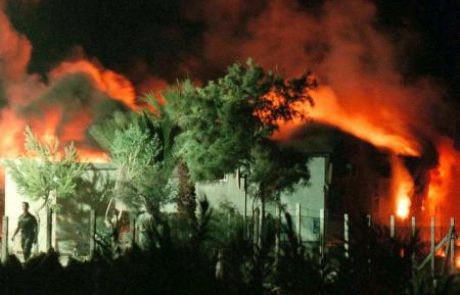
(43, 106)
(53, 121)
(396, 140)
(361, 93)
(442, 201)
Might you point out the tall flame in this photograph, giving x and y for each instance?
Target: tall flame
(402, 188)
(442, 200)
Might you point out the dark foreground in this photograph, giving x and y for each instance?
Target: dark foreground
(212, 260)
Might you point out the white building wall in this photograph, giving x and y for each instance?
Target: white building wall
(230, 190)
(311, 197)
(67, 228)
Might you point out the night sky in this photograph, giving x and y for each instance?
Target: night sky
(174, 38)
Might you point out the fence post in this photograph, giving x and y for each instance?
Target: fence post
(432, 248)
(49, 228)
(413, 226)
(5, 239)
(322, 231)
(299, 222)
(132, 228)
(278, 232)
(229, 224)
(92, 233)
(452, 245)
(368, 247)
(262, 220)
(392, 226)
(346, 237)
(256, 226)
(413, 234)
(245, 215)
(278, 229)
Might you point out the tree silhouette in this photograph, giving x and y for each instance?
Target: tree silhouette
(46, 171)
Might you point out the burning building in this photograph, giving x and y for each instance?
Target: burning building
(394, 147)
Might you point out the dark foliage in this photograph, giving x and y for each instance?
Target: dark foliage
(186, 264)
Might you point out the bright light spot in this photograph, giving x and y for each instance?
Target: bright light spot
(403, 207)
(442, 253)
(457, 262)
(402, 187)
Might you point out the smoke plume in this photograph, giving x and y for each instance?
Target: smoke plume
(75, 94)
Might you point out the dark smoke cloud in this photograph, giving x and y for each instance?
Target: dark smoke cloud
(73, 93)
(63, 102)
(118, 33)
(355, 46)
(167, 39)
(352, 45)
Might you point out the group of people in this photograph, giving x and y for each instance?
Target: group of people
(118, 225)
(27, 227)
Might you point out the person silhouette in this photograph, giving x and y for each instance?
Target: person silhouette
(28, 226)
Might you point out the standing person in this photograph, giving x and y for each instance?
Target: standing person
(145, 229)
(28, 226)
(113, 222)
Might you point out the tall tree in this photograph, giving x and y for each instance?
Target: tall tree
(208, 131)
(228, 124)
(46, 171)
(140, 146)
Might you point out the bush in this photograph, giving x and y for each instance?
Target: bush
(186, 263)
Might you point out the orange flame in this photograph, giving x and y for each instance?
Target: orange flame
(52, 124)
(371, 104)
(23, 89)
(392, 137)
(457, 262)
(442, 187)
(15, 50)
(403, 207)
(441, 253)
(402, 188)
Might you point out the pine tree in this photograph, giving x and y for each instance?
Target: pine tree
(206, 132)
(46, 171)
(227, 125)
(141, 148)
